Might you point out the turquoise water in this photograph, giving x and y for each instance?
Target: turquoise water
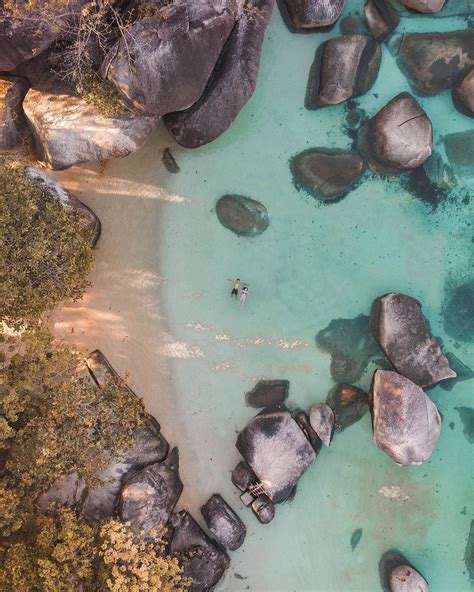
(313, 264)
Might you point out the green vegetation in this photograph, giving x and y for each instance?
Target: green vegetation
(45, 252)
(101, 94)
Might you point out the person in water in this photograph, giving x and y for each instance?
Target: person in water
(243, 296)
(235, 289)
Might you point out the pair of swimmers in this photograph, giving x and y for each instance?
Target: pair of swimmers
(235, 291)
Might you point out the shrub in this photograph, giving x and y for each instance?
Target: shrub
(101, 94)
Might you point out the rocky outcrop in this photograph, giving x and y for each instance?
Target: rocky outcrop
(327, 174)
(231, 84)
(276, 450)
(406, 422)
(242, 215)
(459, 150)
(406, 579)
(202, 560)
(322, 420)
(68, 130)
(435, 61)
(424, 6)
(149, 495)
(463, 94)
(69, 202)
(12, 122)
(399, 138)
(381, 18)
(348, 403)
(343, 68)
(268, 392)
(167, 65)
(224, 523)
(401, 330)
(311, 14)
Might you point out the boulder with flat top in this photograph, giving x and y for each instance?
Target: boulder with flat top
(223, 522)
(381, 18)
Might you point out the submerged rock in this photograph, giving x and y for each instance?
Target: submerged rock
(68, 130)
(459, 312)
(469, 552)
(349, 404)
(322, 419)
(12, 122)
(224, 523)
(401, 330)
(242, 215)
(467, 417)
(462, 371)
(463, 94)
(169, 161)
(355, 538)
(406, 579)
(406, 422)
(311, 14)
(303, 421)
(435, 61)
(69, 202)
(268, 392)
(327, 174)
(390, 561)
(425, 6)
(343, 68)
(399, 138)
(350, 344)
(232, 82)
(277, 451)
(149, 495)
(381, 18)
(264, 509)
(202, 560)
(172, 55)
(459, 150)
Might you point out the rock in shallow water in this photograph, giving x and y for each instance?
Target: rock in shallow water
(264, 509)
(311, 14)
(349, 404)
(321, 418)
(268, 392)
(242, 215)
(343, 68)
(390, 562)
(398, 138)
(463, 94)
(406, 422)
(406, 579)
(467, 417)
(224, 523)
(460, 150)
(425, 6)
(382, 19)
(400, 328)
(327, 174)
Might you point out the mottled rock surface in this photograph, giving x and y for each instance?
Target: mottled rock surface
(349, 404)
(277, 451)
(327, 174)
(459, 312)
(399, 138)
(68, 130)
(242, 215)
(12, 122)
(231, 84)
(401, 330)
(406, 579)
(463, 94)
(268, 392)
(352, 25)
(322, 420)
(424, 6)
(381, 18)
(311, 14)
(406, 422)
(243, 477)
(223, 522)
(305, 426)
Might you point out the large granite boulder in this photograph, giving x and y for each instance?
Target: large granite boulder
(401, 330)
(343, 68)
(167, 65)
(327, 174)
(12, 122)
(69, 202)
(223, 522)
(68, 130)
(435, 61)
(381, 18)
(463, 94)
(267, 393)
(406, 422)
(406, 579)
(322, 420)
(243, 215)
(459, 150)
(311, 14)
(399, 138)
(232, 82)
(149, 495)
(202, 560)
(424, 6)
(348, 403)
(277, 451)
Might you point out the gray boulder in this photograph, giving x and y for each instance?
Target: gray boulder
(149, 495)
(243, 477)
(264, 509)
(202, 560)
(267, 393)
(343, 68)
(425, 6)
(399, 138)
(381, 19)
(231, 84)
(322, 420)
(406, 422)
(311, 14)
(348, 403)
(69, 202)
(401, 330)
(224, 523)
(305, 426)
(405, 578)
(68, 130)
(463, 94)
(327, 174)
(12, 122)
(67, 490)
(435, 61)
(352, 25)
(171, 56)
(242, 215)
(277, 451)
